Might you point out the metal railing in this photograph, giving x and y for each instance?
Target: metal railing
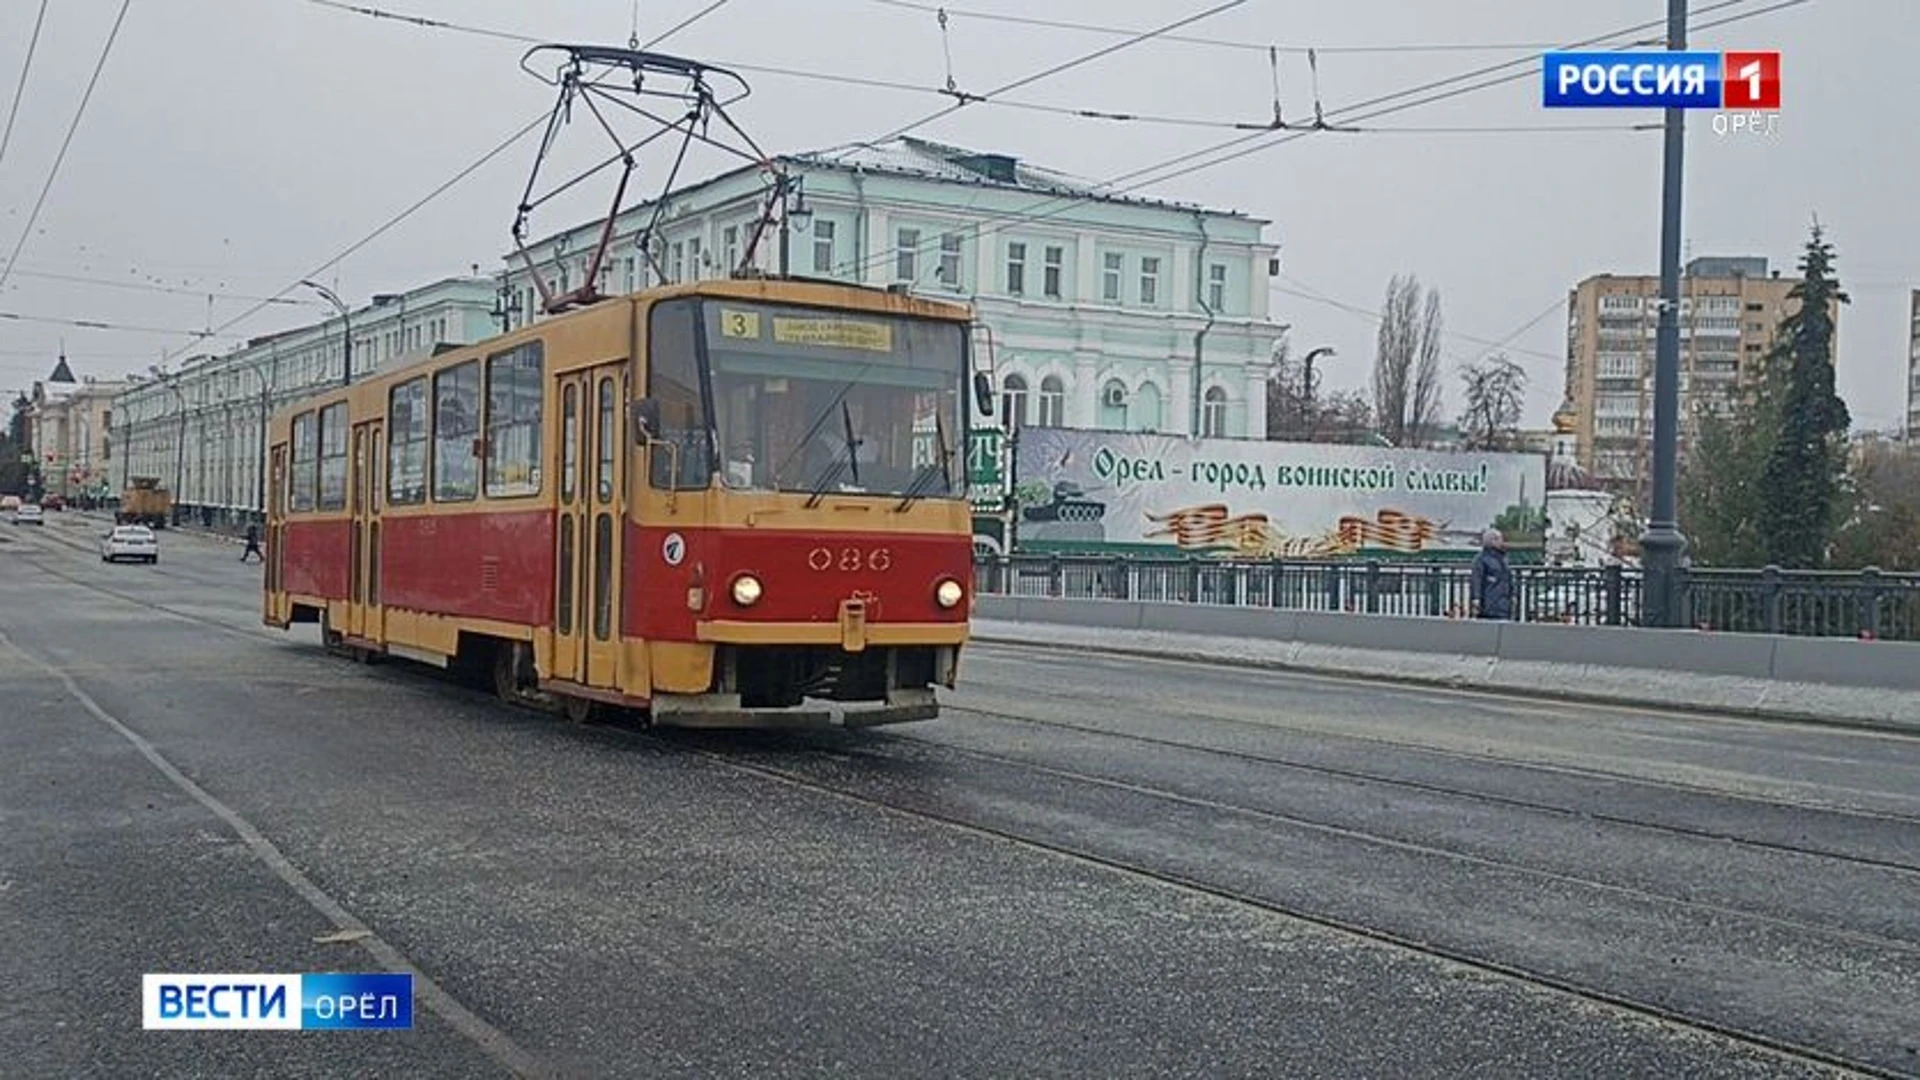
(1822, 604)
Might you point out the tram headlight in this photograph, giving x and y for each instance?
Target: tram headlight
(948, 593)
(746, 590)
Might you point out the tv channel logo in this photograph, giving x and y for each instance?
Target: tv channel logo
(1741, 81)
(329, 1002)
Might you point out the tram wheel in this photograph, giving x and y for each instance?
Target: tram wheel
(579, 710)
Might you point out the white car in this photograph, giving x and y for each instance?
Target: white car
(29, 514)
(130, 542)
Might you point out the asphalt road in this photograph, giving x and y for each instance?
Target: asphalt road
(1087, 867)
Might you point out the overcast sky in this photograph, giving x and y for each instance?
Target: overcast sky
(233, 146)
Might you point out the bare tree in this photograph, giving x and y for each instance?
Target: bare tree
(1496, 391)
(1406, 365)
(1299, 413)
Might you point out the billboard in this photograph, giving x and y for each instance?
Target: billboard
(1234, 498)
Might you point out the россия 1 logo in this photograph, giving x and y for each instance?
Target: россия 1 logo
(1745, 86)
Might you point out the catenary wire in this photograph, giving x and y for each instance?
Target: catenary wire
(142, 286)
(20, 92)
(54, 173)
(1236, 148)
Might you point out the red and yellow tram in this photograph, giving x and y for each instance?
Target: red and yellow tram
(720, 504)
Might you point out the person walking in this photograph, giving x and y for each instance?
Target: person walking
(1492, 581)
(253, 545)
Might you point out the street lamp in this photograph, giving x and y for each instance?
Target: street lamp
(1313, 414)
(793, 211)
(346, 322)
(1662, 546)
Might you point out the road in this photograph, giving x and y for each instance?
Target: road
(1087, 867)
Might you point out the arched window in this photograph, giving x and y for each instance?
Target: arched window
(1113, 405)
(1013, 402)
(1053, 402)
(1213, 413)
(1143, 412)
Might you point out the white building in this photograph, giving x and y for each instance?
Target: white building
(201, 428)
(1106, 311)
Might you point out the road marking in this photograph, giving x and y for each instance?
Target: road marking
(493, 1042)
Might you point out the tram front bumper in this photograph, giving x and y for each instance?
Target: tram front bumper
(725, 711)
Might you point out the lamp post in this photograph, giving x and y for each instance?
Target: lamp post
(1313, 414)
(266, 407)
(1662, 546)
(793, 211)
(346, 323)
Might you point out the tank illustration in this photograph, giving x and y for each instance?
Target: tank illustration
(1069, 504)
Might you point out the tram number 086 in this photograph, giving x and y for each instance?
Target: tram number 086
(849, 560)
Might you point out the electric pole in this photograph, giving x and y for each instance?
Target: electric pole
(1662, 547)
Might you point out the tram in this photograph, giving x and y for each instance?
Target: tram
(732, 503)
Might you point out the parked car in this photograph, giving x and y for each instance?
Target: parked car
(9, 502)
(134, 542)
(53, 502)
(29, 514)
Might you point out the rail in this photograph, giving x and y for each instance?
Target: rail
(1772, 601)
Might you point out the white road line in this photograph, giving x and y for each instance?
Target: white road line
(490, 1039)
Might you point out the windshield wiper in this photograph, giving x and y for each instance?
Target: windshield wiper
(833, 471)
(927, 473)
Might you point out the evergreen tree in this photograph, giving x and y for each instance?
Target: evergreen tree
(1800, 486)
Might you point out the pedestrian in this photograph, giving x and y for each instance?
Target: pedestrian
(253, 544)
(1492, 581)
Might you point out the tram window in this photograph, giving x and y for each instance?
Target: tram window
(673, 380)
(407, 443)
(514, 401)
(456, 423)
(333, 456)
(306, 452)
(569, 444)
(603, 577)
(564, 610)
(603, 442)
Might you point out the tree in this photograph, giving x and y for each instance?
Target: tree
(1496, 390)
(1297, 414)
(1882, 524)
(1801, 484)
(1719, 492)
(1406, 365)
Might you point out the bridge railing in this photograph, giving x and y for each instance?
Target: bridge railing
(1823, 604)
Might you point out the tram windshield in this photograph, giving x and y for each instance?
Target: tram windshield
(814, 401)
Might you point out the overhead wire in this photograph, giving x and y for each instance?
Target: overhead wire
(965, 98)
(20, 92)
(95, 324)
(386, 226)
(60, 158)
(142, 286)
(1235, 148)
(1302, 291)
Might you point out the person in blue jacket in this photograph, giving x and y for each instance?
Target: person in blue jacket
(1492, 582)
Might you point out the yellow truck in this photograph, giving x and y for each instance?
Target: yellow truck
(145, 502)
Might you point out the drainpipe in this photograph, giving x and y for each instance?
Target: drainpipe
(1200, 338)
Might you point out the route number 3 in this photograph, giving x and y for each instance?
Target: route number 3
(739, 324)
(850, 560)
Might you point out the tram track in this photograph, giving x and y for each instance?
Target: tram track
(1494, 799)
(1143, 870)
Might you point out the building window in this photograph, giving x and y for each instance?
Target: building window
(1053, 402)
(306, 456)
(514, 398)
(1016, 268)
(677, 270)
(1213, 413)
(333, 457)
(1056, 258)
(1149, 281)
(1217, 286)
(730, 244)
(822, 246)
(1114, 265)
(696, 269)
(1113, 405)
(906, 255)
(1013, 402)
(950, 262)
(456, 423)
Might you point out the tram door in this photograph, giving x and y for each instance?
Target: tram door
(363, 559)
(276, 539)
(587, 576)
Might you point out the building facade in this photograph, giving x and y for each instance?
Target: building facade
(1729, 309)
(200, 429)
(69, 426)
(1103, 311)
(1913, 371)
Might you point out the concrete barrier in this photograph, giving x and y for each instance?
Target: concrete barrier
(1875, 683)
